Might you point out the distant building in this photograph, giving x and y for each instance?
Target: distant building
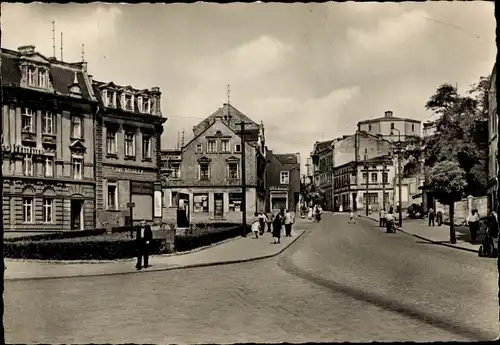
(493, 140)
(209, 178)
(282, 181)
(322, 169)
(128, 131)
(48, 143)
(389, 127)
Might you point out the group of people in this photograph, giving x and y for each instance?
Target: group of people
(273, 223)
(315, 211)
(387, 220)
(435, 216)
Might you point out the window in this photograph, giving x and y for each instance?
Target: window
(371, 197)
(146, 105)
(237, 148)
(76, 127)
(139, 104)
(49, 167)
(392, 125)
(369, 128)
(77, 168)
(176, 170)
(232, 170)
(27, 120)
(28, 165)
(200, 203)
(174, 199)
(48, 123)
(42, 78)
(199, 148)
(224, 145)
(32, 76)
(235, 202)
(385, 178)
(110, 98)
(48, 210)
(28, 210)
(112, 197)
(146, 146)
(111, 142)
(284, 177)
(374, 177)
(204, 171)
(413, 127)
(128, 102)
(365, 177)
(129, 144)
(211, 146)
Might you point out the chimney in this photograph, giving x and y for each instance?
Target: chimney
(26, 50)
(298, 157)
(388, 113)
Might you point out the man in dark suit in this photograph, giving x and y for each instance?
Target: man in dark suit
(143, 238)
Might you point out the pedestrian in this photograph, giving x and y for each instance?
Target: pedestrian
(318, 214)
(431, 216)
(288, 223)
(352, 219)
(269, 220)
(341, 208)
(277, 224)
(439, 217)
(382, 218)
(143, 238)
(262, 222)
(310, 214)
(256, 225)
(389, 221)
(473, 222)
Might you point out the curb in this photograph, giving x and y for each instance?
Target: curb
(207, 264)
(430, 241)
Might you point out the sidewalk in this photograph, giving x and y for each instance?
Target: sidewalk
(239, 249)
(438, 234)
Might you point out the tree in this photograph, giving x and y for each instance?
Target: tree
(311, 192)
(462, 129)
(448, 182)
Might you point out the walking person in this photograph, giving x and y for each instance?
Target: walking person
(352, 218)
(318, 214)
(310, 213)
(382, 218)
(143, 237)
(262, 222)
(288, 223)
(277, 224)
(389, 221)
(269, 220)
(432, 216)
(473, 222)
(256, 225)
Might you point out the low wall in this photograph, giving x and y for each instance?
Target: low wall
(463, 209)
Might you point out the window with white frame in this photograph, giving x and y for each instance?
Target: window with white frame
(111, 135)
(27, 120)
(48, 210)
(146, 146)
(284, 177)
(31, 76)
(28, 165)
(42, 78)
(175, 170)
(146, 105)
(130, 144)
(76, 127)
(385, 177)
(48, 123)
(374, 177)
(211, 146)
(112, 196)
(28, 210)
(365, 178)
(49, 166)
(204, 171)
(237, 148)
(110, 98)
(232, 170)
(139, 104)
(129, 105)
(224, 145)
(199, 148)
(77, 168)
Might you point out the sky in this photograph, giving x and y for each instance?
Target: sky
(310, 72)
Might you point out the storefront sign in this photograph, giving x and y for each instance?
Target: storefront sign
(141, 187)
(158, 203)
(278, 188)
(128, 170)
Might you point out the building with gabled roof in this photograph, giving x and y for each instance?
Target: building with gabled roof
(282, 181)
(48, 143)
(208, 177)
(391, 127)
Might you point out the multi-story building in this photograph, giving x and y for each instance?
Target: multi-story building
(282, 181)
(493, 140)
(391, 128)
(48, 143)
(209, 179)
(129, 125)
(322, 169)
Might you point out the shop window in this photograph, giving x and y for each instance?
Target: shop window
(200, 203)
(235, 202)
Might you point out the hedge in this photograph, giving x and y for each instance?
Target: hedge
(58, 235)
(190, 242)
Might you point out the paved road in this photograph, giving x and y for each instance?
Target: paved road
(338, 282)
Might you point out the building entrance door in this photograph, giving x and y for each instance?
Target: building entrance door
(76, 214)
(219, 205)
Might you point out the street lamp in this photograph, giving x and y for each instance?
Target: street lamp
(399, 175)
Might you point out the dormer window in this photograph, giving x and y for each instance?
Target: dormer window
(129, 102)
(32, 76)
(42, 78)
(146, 105)
(139, 103)
(109, 97)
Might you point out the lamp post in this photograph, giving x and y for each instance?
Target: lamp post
(399, 150)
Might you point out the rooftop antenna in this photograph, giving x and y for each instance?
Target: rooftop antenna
(54, 39)
(182, 138)
(83, 52)
(61, 46)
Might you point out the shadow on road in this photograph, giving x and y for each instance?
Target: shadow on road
(286, 263)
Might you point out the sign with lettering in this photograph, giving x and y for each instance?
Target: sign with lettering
(158, 203)
(278, 188)
(128, 170)
(141, 187)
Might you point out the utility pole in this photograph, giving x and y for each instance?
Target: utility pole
(2, 264)
(383, 183)
(243, 178)
(367, 181)
(400, 189)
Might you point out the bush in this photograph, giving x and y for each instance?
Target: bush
(58, 235)
(189, 242)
